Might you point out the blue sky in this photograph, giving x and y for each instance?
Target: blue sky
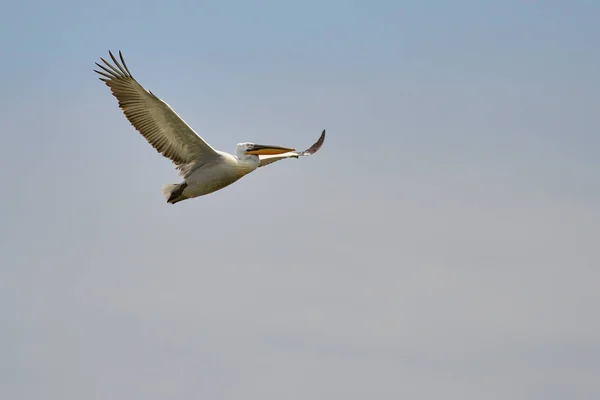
(442, 243)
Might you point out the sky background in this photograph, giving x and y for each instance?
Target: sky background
(442, 244)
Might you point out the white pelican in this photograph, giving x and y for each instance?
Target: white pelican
(204, 169)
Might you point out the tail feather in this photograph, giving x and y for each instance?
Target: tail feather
(173, 193)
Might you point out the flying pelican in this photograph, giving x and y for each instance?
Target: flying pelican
(204, 169)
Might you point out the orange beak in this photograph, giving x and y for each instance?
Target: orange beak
(259, 149)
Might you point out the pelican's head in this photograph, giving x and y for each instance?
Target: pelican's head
(246, 149)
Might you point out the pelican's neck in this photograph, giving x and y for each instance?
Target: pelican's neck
(246, 163)
(248, 159)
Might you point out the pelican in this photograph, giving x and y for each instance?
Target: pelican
(204, 169)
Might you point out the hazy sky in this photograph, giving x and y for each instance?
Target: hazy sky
(442, 244)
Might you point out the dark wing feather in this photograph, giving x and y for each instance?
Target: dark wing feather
(168, 133)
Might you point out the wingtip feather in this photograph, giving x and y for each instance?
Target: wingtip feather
(316, 146)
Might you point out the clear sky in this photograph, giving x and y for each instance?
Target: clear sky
(442, 244)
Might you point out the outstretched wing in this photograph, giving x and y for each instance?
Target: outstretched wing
(168, 133)
(266, 160)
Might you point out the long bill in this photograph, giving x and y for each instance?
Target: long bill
(260, 149)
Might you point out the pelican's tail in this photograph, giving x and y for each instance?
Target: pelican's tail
(174, 192)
